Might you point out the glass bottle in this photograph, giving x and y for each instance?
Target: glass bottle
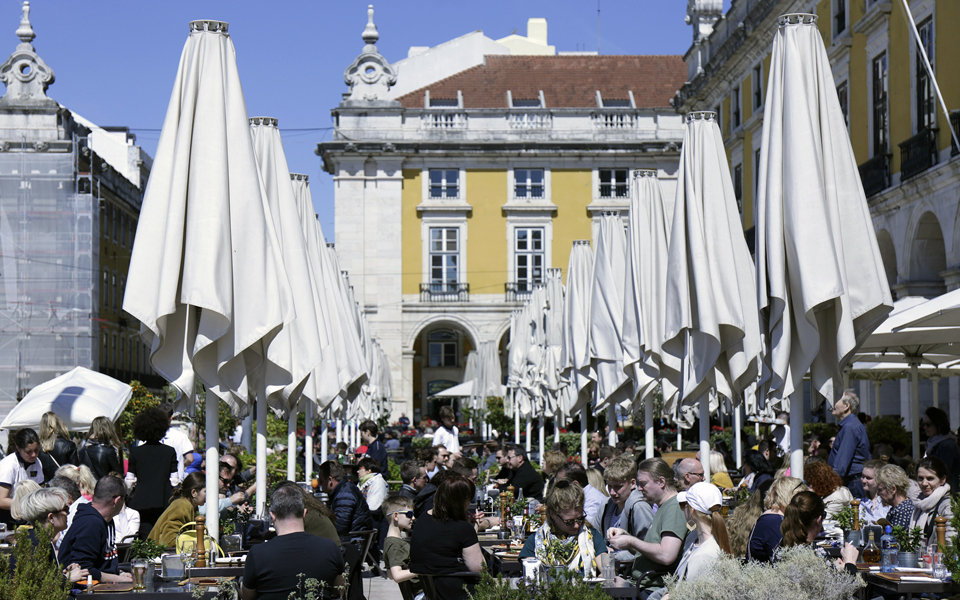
(871, 553)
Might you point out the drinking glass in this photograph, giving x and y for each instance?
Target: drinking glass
(3, 533)
(139, 571)
(608, 569)
(931, 549)
(939, 569)
(188, 550)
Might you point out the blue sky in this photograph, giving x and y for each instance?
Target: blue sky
(115, 60)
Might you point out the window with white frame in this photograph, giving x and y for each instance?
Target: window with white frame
(738, 186)
(442, 348)
(926, 109)
(614, 183)
(758, 86)
(528, 183)
(444, 258)
(529, 257)
(843, 95)
(735, 108)
(444, 183)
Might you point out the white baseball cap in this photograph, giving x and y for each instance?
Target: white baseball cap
(701, 497)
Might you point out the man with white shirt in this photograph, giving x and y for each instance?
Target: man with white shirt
(446, 435)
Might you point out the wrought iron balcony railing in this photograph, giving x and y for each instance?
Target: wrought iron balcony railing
(444, 292)
(875, 174)
(955, 125)
(919, 153)
(520, 291)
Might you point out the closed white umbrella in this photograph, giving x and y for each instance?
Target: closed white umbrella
(711, 326)
(645, 294)
(206, 278)
(77, 397)
(819, 273)
(575, 358)
(606, 312)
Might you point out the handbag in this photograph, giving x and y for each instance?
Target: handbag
(188, 532)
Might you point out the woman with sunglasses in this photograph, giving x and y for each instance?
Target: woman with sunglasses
(564, 539)
(152, 472)
(46, 508)
(942, 444)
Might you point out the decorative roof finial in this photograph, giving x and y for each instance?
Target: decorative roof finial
(25, 31)
(370, 33)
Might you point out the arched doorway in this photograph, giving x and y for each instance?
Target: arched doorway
(440, 354)
(888, 253)
(927, 258)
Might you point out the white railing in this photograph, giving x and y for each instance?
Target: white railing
(614, 121)
(530, 120)
(443, 120)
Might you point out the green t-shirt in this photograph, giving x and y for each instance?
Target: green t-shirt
(396, 553)
(669, 520)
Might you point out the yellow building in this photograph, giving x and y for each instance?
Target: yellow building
(454, 198)
(900, 135)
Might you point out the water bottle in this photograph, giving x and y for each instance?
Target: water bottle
(888, 551)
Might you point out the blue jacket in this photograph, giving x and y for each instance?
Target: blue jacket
(89, 543)
(350, 508)
(851, 448)
(378, 451)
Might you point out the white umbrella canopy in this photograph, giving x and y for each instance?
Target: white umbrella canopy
(553, 341)
(351, 366)
(575, 358)
(206, 278)
(940, 312)
(819, 273)
(298, 348)
(489, 376)
(77, 397)
(470, 371)
(711, 325)
(606, 312)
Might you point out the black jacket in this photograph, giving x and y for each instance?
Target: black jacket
(527, 479)
(350, 507)
(424, 500)
(89, 542)
(101, 458)
(64, 453)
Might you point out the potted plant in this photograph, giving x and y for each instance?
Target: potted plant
(844, 520)
(147, 550)
(909, 541)
(37, 574)
(558, 584)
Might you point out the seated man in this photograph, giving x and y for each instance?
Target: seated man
(344, 499)
(274, 568)
(525, 477)
(626, 507)
(414, 477)
(89, 541)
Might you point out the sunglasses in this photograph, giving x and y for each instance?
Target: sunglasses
(407, 513)
(570, 522)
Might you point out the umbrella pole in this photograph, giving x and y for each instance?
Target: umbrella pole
(556, 430)
(261, 456)
(542, 436)
(737, 434)
(648, 425)
(292, 446)
(612, 423)
(529, 432)
(915, 407)
(705, 434)
(679, 446)
(339, 430)
(583, 437)
(324, 450)
(516, 420)
(246, 436)
(308, 443)
(935, 378)
(876, 398)
(796, 436)
(213, 473)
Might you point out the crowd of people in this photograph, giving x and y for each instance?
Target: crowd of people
(652, 518)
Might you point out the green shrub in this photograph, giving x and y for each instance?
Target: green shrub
(824, 431)
(421, 442)
(572, 440)
(37, 574)
(888, 430)
(726, 436)
(393, 474)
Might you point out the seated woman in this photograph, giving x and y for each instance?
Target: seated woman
(564, 539)
(718, 471)
(825, 482)
(765, 536)
(892, 487)
(701, 505)
(803, 521)
(756, 470)
(934, 500)
(444, 541)
(46, 508)
(191, 494)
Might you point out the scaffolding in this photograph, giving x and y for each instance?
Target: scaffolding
(49, 265)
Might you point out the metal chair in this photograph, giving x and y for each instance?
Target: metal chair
(367, 535)
(406, 590)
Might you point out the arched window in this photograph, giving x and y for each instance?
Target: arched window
(442, 345)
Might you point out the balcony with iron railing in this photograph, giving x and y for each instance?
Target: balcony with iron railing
(875, 174)
(444, 292)
(520, 290)
(955, 125)
(918, 153)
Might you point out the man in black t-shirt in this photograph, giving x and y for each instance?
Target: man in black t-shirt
(273, 569)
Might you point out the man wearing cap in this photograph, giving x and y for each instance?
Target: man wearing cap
(701, 505)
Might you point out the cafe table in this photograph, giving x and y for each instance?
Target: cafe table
(508, 566)
(907, 583)
(155, 590)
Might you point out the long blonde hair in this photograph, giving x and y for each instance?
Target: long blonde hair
(104, 431)
(51, 427)
(20, 492)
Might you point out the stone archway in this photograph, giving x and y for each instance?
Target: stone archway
(439, 351)
(888, 253)
(927, 259)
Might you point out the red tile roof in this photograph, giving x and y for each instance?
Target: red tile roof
(566, 81)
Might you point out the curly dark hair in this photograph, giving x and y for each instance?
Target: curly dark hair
(150, 425)
(821, 478)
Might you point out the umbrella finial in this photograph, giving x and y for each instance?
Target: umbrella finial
(700, 115)
(638, 173)
(265, 121)
(25, 31)
(797, 19)
(209, 25)
(299, 177)
(370, 33)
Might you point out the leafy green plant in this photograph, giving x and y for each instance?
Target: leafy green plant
(496, 416)
(572, 440)
(909, 539)
(140, 401)
(421, 442)
(799, 575)
(726, 436)
(951, 551)
(146, 549)
(824, 431)
(844, 518)
(393, 475)
(37, 574)
(559, 584)
(888, 430)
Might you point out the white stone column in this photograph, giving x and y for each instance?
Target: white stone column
(876, 397)
(954, 387)
(905, 403)
(935, 379)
